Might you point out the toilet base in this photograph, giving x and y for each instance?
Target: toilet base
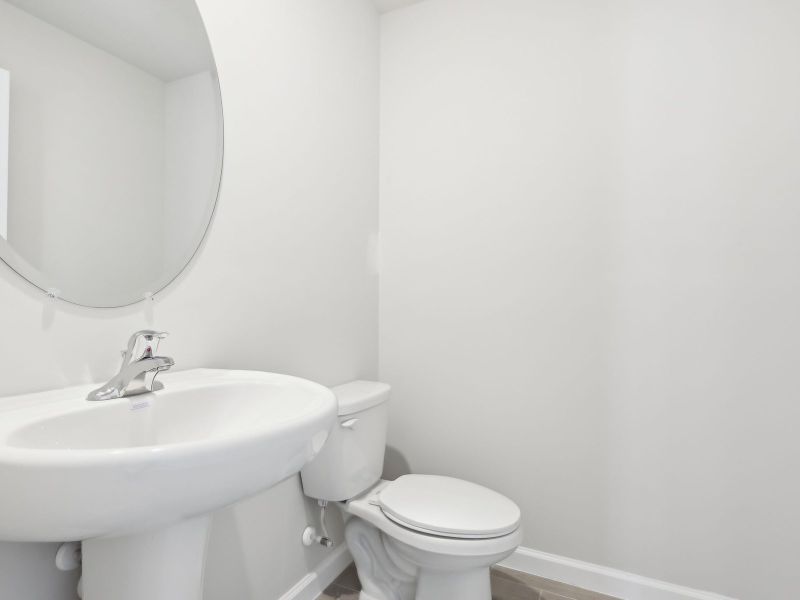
(432, 585)
(393, 570)
(383, 574)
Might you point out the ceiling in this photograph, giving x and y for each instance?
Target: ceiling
(385, 6)
(166, 38)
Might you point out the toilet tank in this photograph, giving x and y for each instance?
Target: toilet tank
(351, 461)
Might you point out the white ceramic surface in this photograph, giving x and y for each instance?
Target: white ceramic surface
(397, 563)
(448, 507)
(352, 459)
(443, 534)
(73, 470)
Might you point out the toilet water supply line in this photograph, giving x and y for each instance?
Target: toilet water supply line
(310, 533)
(323, 504)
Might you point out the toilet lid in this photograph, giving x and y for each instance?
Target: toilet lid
(448, 507)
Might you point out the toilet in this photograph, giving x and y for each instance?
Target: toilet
(419, 537)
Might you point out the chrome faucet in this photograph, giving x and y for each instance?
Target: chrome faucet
(137, 375)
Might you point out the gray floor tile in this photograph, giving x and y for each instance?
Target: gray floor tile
(505, 588)
(349, 578)
(506, 585)
(552, 596)
(337, 592)
(553, 588)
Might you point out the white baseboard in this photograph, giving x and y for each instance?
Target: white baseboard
(313, 584)
(600, 579)
(588, 576)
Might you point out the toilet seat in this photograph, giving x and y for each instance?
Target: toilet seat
(367, 507)
(448, 507)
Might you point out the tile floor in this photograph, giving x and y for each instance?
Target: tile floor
(506, 585)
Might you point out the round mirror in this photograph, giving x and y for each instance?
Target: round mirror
(110, 144)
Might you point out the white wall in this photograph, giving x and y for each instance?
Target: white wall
(282, 284)
(68, 159)
(5, 83)
(385, 6)
(589, 226)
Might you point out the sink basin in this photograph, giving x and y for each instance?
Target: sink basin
(137, 477)
(73, 470)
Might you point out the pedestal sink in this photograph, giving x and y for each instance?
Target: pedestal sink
(136, 478)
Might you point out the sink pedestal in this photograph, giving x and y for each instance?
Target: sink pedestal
(164, 564)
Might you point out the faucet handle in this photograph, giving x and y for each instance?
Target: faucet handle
(143, 344)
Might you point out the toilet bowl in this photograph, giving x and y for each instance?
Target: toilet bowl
(405, 547)
(419, 537)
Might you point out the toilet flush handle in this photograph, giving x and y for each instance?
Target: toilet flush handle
(349, 424)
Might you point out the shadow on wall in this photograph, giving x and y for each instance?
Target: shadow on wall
(395, 464)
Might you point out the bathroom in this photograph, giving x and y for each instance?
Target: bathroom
(562, 231)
